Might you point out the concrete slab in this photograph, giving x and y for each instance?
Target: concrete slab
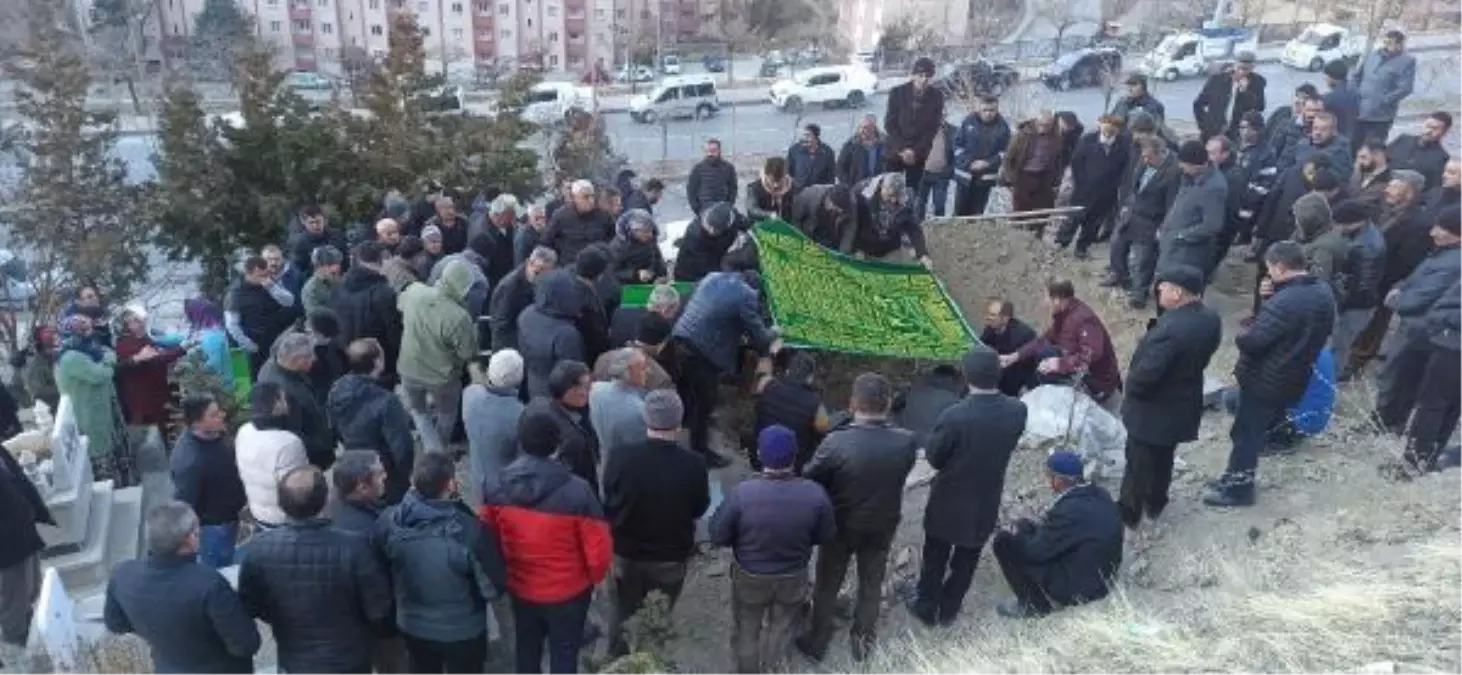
(70, 507)
(87, 567)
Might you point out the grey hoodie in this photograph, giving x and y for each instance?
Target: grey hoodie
(1325, 246)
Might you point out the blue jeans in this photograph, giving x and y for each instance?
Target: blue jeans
(1254, 419)
(938, 188)
(216, 544)
(560, 626)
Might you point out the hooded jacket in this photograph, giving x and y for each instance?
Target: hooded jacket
(809, 168)
(546, 329)
(366, 305)
(1325, 248)
(1358, 283)
(551, 528)
(702, 252)
(445, 568)
(631, 256)
(439, 336)
(368, 416)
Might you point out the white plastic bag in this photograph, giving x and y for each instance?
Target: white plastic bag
(1058, 412)
(1000, 201)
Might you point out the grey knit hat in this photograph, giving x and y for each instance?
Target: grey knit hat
(663, 410)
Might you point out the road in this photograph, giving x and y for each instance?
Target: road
(761, 130)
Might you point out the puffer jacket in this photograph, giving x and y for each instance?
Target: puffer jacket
(368, 416)
(1358, 283)
(440, 336)
(570, 232)
(710, 181)
(322, 592)
(366, 305)
(445, 568)
(546, 330)
(1383, 80)
(1276, 352)
(863, 465)
(722, 310)
(1428, 283)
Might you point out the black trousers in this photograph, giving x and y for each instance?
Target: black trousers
(1146, 481)
(633, 581)
(1398, 384)
(1022, 583)
(945, 577)
(971, 199)
(430, 656)
(700, 387)
(1086, 227)
(871, 553)
(560, 626)
(1436, 407)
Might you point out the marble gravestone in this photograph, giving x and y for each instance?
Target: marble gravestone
(54, 629)
(70, 495)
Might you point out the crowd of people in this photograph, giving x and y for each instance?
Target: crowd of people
(377, 358)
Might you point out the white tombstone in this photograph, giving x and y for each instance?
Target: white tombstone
(68, 446)
(70, 498)
(54, 626)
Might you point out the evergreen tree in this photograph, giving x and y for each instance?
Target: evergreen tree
(586, 151)
(223, 33)
(193, 202)
(74, 217)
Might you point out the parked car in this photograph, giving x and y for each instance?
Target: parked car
(670, 64)
(636, 74)
(828, 85)
(1320, 44)
(447, 98)
(306, 81)
(980, 77)
(553, 102)
(1090, 67)
(1194, 54)
(713, 63)
(690, 96)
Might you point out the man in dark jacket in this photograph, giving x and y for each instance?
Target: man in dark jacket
(366, 305)
(501, 229)
(708, 338)
(566, 402)
(1372, 173)
(593, 316)
(1448, 193)
(1325, 139)
(1384, 79)
(547, 329)
(862, 156)
(771, 522)
(770, 195)
(829, 215)
(891, 222)
(1275, 356)
(970, 448)
(979, 149)
(321, 590)
(1076, 345)
(314, 234)
(1358, 281)
(450, 223)
(1189, 233)
(1340, 100)
(1411, 299)
(1096, 176)
(1288, 125)
(514, 294)
(712, 180)
(1163, 402)
(1071, 556)
(1227, 96)
(1151, 189)
(368, 416)
(654, 492)
(446, 568)
(645, 197)
(1423, 153)
(787, 395)
(1252, 175)
(205, 476)
(556, 544)
(21, 508)
(1275, 220)
(262, 312)
(862, 465)
(1437, 396)
(1005, 334)
(290, 368)
(185, 611)
(574, 228)
(359, 495)
(1139, 97)
(707, 239)
(915, 115)
(810, 161)
(1407, 232)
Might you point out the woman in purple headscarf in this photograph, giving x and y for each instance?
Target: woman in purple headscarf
(206, 319)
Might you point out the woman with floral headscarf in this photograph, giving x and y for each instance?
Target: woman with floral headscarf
(37, 365)
(206, 319)
(142, 372)
(84, 373)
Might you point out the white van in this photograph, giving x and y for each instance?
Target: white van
(1320, 44)
(690, 96)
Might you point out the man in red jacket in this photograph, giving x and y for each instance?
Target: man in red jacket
(557, 546)
(1075, 345)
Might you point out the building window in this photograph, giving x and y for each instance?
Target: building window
(505, 33)
(301, 26)
(552, 11)
(456, 33)
(425, 32)
(484, 8)
(530, 23)
(175, 27)
(329, 53)
(599, 13)
(273, 3)
(323, 3)
(327, 29)
(552, 37)
(456, 8)
(273, 27)
(553, 60)
(375, 4)
(484, 34)
(376, 30)
(504, 9)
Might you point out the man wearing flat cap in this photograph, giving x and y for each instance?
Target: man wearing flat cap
(1164, 398)
(1227, 95)
(914, 117)
(1071, 556)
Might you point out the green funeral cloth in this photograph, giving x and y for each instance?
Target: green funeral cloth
(825, 300)
(638, 295)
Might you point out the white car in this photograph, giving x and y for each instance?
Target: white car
(829, 86)
(1320, 44)
(639, 74)
(670, 64)
(551, 102)
(1192, 54)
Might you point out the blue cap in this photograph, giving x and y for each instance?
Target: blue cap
(1065, 463)
(777, 447)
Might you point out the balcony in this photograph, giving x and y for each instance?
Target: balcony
(299, 12)
(574, 25)
(303, 40)
(571, 7)
(483, 38)
(482, 22)
(484, 53)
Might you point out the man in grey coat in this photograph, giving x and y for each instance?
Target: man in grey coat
(1189, 233)
(1383, 80)
(617, 407)
(490, 412)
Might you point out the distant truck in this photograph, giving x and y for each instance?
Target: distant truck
(1320, 44)
(1194, 54)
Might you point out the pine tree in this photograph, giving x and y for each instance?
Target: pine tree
(193, 202)
(74, 217)
(223, 32)
(586, 151)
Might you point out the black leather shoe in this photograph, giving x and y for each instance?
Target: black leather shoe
(1227, 498)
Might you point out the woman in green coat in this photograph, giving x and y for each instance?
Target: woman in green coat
(85, 373)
